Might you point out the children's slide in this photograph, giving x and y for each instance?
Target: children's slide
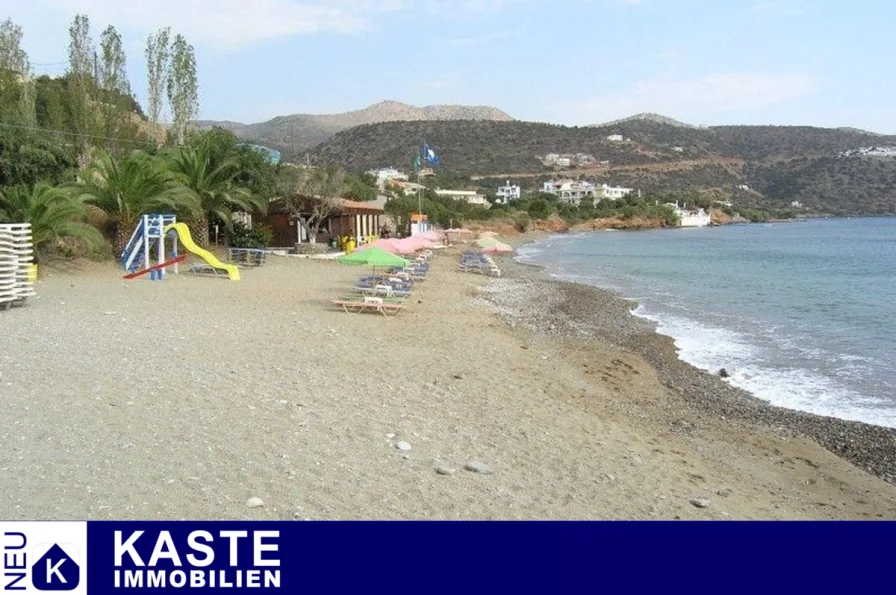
(183, 233)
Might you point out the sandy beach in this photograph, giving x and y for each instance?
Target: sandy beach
(183, 399)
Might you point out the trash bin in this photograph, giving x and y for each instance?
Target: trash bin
(333, 242)
(350, 246)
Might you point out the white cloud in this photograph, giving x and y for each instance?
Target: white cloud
(696, 97)
(233, 22)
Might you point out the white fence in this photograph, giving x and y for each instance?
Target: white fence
(16, 257)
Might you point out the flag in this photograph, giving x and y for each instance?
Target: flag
(430, 155)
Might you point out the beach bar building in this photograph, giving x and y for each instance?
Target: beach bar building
(350, 218)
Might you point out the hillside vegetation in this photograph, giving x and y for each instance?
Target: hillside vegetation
(780, 164)
(298, 132)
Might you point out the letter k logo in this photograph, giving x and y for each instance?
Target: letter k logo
(55, 571)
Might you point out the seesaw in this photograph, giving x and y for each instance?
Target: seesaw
(163, 265)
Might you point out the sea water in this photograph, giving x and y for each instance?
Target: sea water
(802, 314)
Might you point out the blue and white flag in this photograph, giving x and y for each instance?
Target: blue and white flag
(429, 155)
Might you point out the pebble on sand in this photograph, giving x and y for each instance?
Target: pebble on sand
(700, 502)
(477, 467)
(254, 502)
(402, 445)
(446, 470)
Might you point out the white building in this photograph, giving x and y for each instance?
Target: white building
(574, 191)
(570, 191)
(470, 196)
(614, 192)
(409, 188)
(616, 138)
(508, 192)
(692, 217)
(387, 174)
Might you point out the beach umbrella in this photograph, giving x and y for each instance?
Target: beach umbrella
(412, 244)
(497, 247)
(483, 242)
(387, 245)
(403, 246)
(488, 234)
(431, 235)
(458, 230)
(375, 257)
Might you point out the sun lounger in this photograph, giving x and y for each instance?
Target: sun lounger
(383, 291)
(359, 297)
(248, 257)
(369, 304)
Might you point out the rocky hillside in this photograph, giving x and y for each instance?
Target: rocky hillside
(296, 133)
(646, 117)
(779, 164)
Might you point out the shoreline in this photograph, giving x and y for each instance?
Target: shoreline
(868, 446)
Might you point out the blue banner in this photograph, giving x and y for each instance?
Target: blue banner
(403, 557)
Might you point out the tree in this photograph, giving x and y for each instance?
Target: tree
(400, 209)
(82, 84)
(211, 178)
(126, 188)
(16, 88)
(27, 159)
(157, 64)
(183, 92)
(539, 209)
(113, 81)
(53, 214)
(317, 195)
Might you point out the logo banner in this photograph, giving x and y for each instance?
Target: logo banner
(459, 557)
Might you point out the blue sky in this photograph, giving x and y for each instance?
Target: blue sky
(573, 62)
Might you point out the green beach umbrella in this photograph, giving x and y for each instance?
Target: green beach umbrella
(375, 257)
(487, 242)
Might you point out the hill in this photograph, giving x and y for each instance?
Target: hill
(646, 117)
(779, 164)
(299, 132)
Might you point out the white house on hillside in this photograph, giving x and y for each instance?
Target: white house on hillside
(574, 191)
(614, 192)
(508, 192)
(387, 174)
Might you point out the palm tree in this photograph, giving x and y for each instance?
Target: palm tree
(53, 214)
(210, 175)
(129, 187)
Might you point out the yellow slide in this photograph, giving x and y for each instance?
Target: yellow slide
(183, 232)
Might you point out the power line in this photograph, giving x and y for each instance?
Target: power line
(75, 134)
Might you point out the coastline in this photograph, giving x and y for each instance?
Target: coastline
(869, 447)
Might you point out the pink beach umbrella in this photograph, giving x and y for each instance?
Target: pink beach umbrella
(497, 247)
(387, 245)
(416, 243)
(431, 235)
(458, 230)
(403, 246)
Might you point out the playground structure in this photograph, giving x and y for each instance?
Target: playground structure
(16, 264)
(145, 252)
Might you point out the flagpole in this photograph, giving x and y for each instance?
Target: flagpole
(420, 193)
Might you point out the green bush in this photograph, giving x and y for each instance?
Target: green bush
(521, 222)
(257, 237)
